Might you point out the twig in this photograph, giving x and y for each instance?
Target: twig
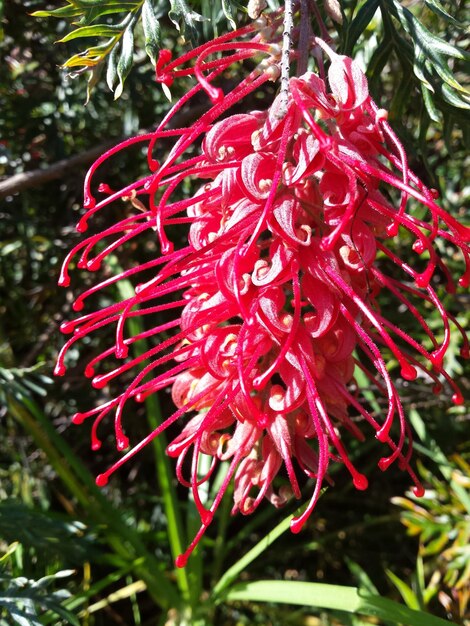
(37, 177)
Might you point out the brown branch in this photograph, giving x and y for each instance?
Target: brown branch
(36, 178)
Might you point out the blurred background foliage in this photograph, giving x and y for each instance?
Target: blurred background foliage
(70, 553)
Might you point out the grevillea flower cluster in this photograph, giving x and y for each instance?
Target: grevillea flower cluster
(274, 293)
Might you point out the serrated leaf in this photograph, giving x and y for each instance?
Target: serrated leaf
(151, 28)
(125, 58)
(184, 18)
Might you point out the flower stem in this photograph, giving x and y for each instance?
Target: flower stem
(285, 56)
(304, 38)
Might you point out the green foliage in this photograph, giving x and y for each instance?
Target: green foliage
(184, 18)
(115, 23)
(441, 521)
(118, 49)
(421, 58)
(50, 536)
(20, 381)
(23, 601)
(417, 56)
(430, 65)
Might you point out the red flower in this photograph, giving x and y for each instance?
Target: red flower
(280, 282)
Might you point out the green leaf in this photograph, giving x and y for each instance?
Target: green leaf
(439, 457)
(185, 20)
(405, 591)
(431, 108)
(422, 37)
(359, 24)
(429, 48)
(98, 30)
(336, 597)
(122, 539)
(91, 57)
(376, 65)
(228, 12)
(363, 579)
(61, 12)
(89, 13)
(125, 59)
(401, 95)
(151, 28)
(22, 598)
(47, 535)
(455, 99)
(119, 35)
(90, 4)
(111, 70)
(93, 13)
(439, 10)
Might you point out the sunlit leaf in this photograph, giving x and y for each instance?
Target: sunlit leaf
(22, 598)
(117, 36)
(430, 49)
(98, 30)
(318, 595)
(125, 58)
(228, 12)
(61, 12)
(151, 28)
(439, 10)
(431, 108)
(184, 18)
(111, 70)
